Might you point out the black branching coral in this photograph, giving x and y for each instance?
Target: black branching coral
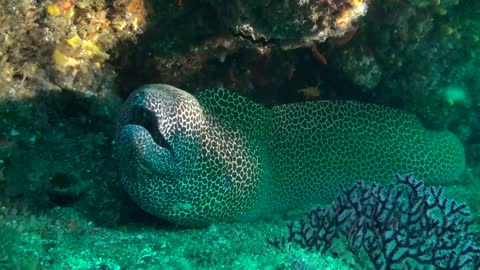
(403, 225)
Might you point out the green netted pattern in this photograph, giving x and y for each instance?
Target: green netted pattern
(219, 157)
(323, 144)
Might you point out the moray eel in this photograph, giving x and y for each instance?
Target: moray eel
(219, 157)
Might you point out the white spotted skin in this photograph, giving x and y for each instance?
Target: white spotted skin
(219, 157)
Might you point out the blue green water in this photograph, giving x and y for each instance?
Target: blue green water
(66, 68)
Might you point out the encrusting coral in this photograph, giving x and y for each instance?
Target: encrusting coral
(290, 24)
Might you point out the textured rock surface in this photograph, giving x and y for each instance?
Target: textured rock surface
(290, 23)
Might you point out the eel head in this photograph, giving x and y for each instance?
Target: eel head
(156, 145)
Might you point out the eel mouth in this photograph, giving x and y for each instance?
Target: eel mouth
(141, 116)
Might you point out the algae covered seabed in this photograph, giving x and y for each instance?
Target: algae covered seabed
(67, 65)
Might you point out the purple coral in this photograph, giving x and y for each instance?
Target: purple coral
(398, 226)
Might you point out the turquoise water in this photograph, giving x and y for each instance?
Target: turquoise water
(332, 92)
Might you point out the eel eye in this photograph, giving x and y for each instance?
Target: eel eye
(141, 116)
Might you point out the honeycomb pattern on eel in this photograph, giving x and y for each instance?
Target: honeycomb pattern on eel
(219, 157)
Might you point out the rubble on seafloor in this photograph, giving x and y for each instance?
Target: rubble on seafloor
(66, 65)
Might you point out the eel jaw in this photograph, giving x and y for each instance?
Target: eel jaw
(135, 146)
(147, 119)
(141, 143)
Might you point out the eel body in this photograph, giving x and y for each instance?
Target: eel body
(219, 157)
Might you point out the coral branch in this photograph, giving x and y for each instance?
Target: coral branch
(398, 225)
